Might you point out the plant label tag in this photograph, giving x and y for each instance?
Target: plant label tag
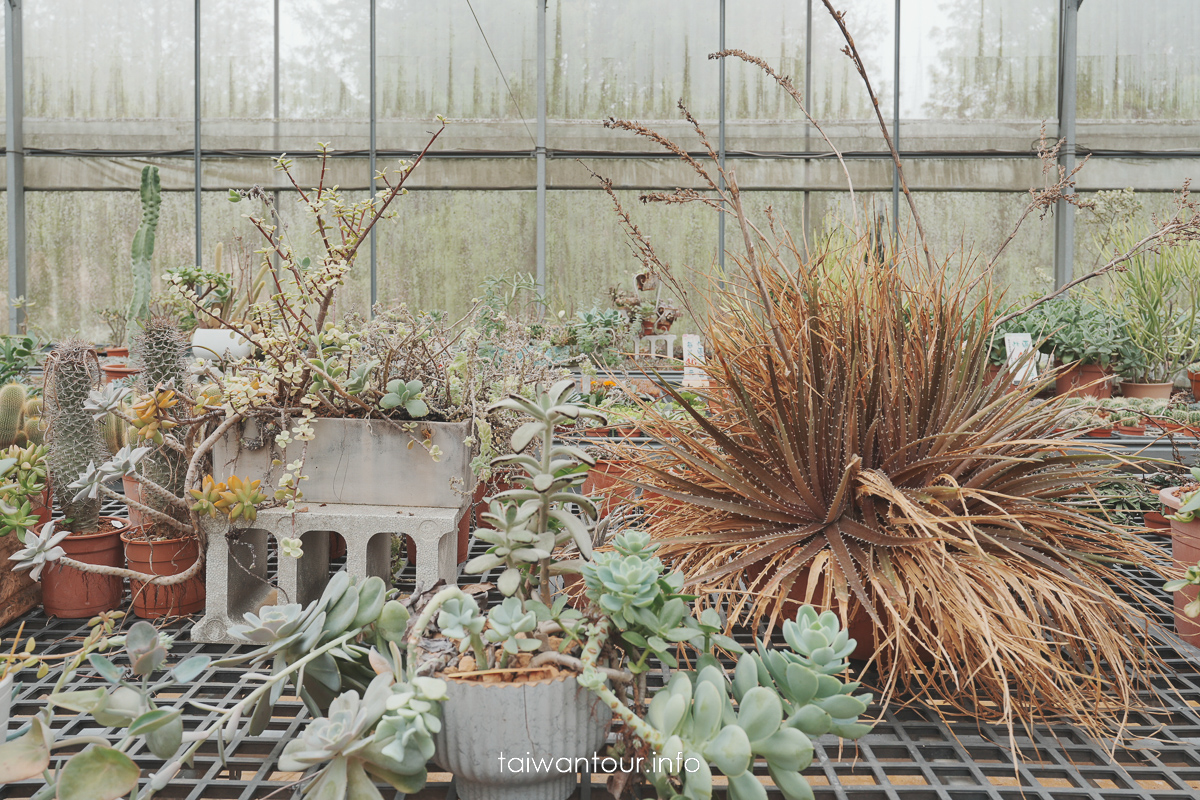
(693, 361)
(1018, 346)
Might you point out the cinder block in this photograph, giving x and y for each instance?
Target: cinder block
(237, 565)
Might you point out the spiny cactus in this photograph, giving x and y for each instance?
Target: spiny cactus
(113, 430)
(12, 412)
(72, 371)
(143, 249)
(33, 407)
(161, 350)
(34, 430)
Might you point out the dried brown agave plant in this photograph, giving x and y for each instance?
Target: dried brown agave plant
(856, 456)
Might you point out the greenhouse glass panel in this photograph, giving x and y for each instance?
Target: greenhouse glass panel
(237, 74)
(979, 59)
(428, 260)
(108, 74)
(1138, 61)
(630, 59)
(434, 58)
(92, 232)
(324, 74)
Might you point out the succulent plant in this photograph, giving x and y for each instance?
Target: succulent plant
(459, 618)
(40, 549)
(505, 622)
(207, 496)
(411, 719)
(818, 642)
(108, 398)
(240, 499)
(72, 372)
(1190, 578)
(407, 396)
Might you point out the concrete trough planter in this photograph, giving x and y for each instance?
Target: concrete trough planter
(358, 461)
(519, 741)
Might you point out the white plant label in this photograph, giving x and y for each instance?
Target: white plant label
(693, 361)
(1018, 346)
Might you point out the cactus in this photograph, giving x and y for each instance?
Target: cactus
(161, 350)
(143, 250)
(12, 412)
(33, 407)
(113, 430)
(72, 371)
(35, 432)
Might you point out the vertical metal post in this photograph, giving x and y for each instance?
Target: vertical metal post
(896, 133)
(14, 142)
(807, 224)
(196, 136)
(276, 131)
(374, 274)
(541, 147)
(721, 144)
(1064, 212)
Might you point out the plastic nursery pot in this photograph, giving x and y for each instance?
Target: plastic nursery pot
(1101, 433)
(163, 557)
(1194, 377)
(1157, 391)
(115, 372)
(68, 593)
(1084, 380)
(1185, 552)
(18, 592)
(533, 722)
(1131, 430)
(117, 352)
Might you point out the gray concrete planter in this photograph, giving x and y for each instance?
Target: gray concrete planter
(538, 729)
(357, 461)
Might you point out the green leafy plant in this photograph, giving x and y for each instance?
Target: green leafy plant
(406, 395)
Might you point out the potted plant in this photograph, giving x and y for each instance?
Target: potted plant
(75, 446)
(1131, 424)
(1085, 340)
(1158, 299)
(1185, 551)
(23, 505)
(219, 296)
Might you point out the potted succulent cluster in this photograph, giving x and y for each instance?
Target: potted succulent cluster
(391, 685)
(1085, 340)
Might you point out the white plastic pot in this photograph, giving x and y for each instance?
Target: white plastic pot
(214, 343)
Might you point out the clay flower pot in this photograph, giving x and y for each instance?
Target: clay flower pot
(163, 557)
(115, 372)
(1154, 520)
(68, 593)
(1101, 433)
(1194, 377)
(117, 352)
(1157, 391)
(1185, 552)
(1084, 380)
(1131, 430)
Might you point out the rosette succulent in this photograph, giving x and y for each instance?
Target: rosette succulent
(40, 549)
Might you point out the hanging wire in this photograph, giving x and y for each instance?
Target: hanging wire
(516, 105)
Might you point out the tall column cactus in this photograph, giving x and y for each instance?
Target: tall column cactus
(143, 250)
(72, 371)
(160, 349)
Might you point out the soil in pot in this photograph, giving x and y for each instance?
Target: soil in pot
(161, 552)
(1084, 380)
(68, 593)
(1185, 552)
(1157, 391)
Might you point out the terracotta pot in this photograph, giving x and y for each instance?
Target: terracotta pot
(1084, 380)
(1194, 377)
(603, 484)
(337, 547)
(663, 327)
(1185, 552)
(1101, 433)
(18, 592)
(70, 594)
(42, 504)
(647, 327)
(1131, 430)
(114, 372)
(117, 352)
(164, 557)
(1157, 391)
(133, 490)
(1156, 521)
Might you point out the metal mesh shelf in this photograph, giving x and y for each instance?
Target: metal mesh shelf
(911, 754)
